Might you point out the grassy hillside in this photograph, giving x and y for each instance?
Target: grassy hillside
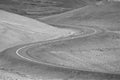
(104, 15)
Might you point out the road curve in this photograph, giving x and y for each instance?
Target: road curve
(22, 50)
(19, 52)
(17, 60)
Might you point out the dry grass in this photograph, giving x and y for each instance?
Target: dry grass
(97, 50)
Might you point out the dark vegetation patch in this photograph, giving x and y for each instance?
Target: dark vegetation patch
(40, 8)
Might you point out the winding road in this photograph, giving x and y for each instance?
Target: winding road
(22, 51)
(91, 49)
(91, 53)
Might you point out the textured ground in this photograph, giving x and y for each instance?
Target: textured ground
(100, 52)
(41, 8)
(84, 46)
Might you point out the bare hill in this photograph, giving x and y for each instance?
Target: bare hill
(16, 29)
(104, 15)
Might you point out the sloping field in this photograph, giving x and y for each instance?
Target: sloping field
(100, 50)
(15, 29)
(91, 54)
(104, 15)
